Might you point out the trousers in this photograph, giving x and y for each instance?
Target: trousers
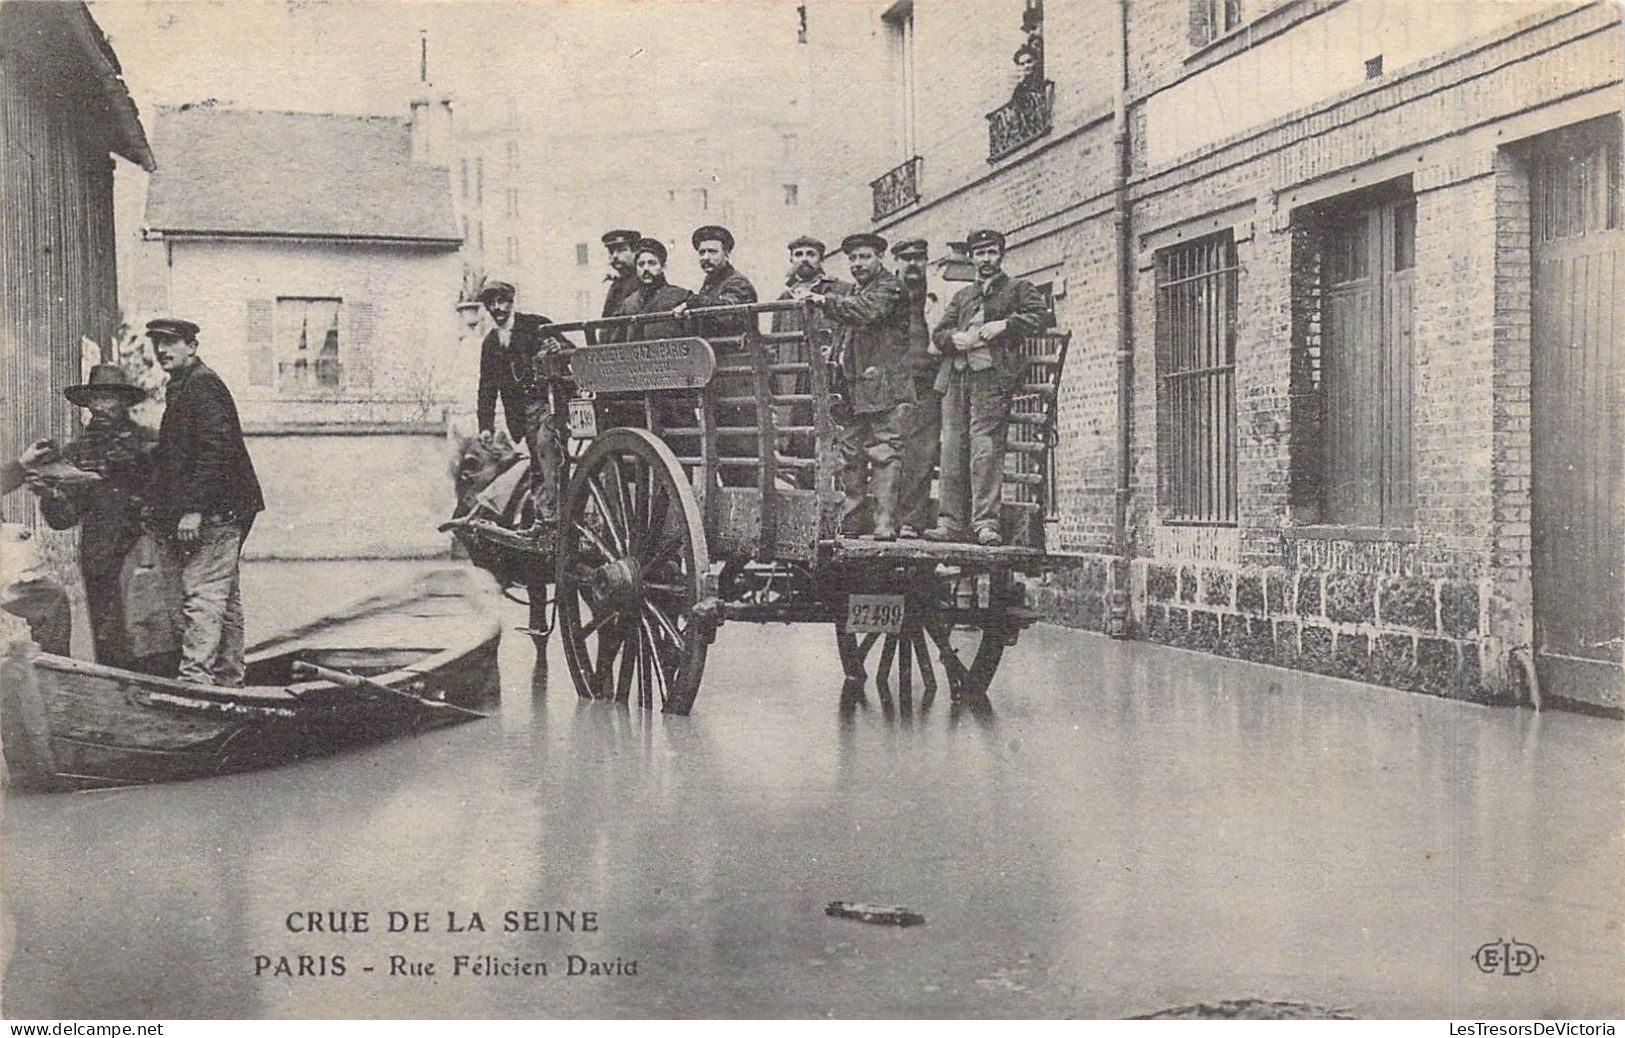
(871, 446)
(922, 445)
(212, 606)
(542, 428)
(975, 424)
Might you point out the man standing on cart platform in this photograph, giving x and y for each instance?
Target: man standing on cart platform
(981, 333)
(623, 275)
(723, 285)
(922, 437)
(526, 371)
(806, 277)
(653, 295)
(871, 347)
(211, 494)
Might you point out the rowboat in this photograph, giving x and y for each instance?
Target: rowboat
(397, 662)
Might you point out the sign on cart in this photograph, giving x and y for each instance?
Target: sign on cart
(583, 420)
(874, 614)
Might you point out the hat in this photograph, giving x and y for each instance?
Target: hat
(496, 287)
(984, 237)
(807, 241)
(172, 328)
(612, 239)
(711, 232)
(651, 245)
(106, 378)
(910, 248)
(861, 240)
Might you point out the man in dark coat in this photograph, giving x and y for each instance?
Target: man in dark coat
(109, 511)
(653, 295)
(806, 277)
(622, 277)
(980, 334)
(211, 494)
(922, 438)
(723, 285)
(528, 373)
(871, 347)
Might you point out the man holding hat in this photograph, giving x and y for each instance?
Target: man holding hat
(211, 495)
(653, 295)
(872, 349)
(922, 438)
(108, 511)
(723, 285)
(980, 335)
(527, 372)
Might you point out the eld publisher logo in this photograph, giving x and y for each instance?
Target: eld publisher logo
(1508, 958)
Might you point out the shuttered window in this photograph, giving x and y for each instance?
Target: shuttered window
(308, 359)
(1352, 379)
(1196, 369)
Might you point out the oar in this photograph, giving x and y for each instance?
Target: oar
(303, 669)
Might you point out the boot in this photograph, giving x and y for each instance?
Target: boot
(883, 481)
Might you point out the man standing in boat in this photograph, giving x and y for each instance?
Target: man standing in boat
(210, 494)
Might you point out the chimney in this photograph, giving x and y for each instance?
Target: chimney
(431, 114)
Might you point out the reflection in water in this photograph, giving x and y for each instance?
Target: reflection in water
(1075, 856)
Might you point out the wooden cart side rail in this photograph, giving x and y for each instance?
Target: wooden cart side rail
(600, 324)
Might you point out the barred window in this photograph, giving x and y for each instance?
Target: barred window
(1196, 385)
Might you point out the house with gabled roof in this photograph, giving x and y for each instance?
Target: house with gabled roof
(320, 255)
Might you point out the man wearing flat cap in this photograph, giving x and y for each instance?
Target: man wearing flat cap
(622, 277)
(806, 276)
(723, 285)
(654, 295)
(209, 497)
(527, 372)
(871, 348)
(108, 512)
(980, 335)
(922, 438)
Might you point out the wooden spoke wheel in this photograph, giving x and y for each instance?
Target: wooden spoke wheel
(926, 654)
(631, 570)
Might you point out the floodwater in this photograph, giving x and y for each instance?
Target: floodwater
(1132, 829)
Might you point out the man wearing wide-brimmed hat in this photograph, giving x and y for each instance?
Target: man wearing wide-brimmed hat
(209, 496)
(108, 511)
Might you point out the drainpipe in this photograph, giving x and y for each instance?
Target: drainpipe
(1117, 614)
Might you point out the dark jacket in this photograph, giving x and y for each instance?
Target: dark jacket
(724, 286)
(872, 342)
(203, 463)
(1006, 299)
(823, 284)
(654, 299)
(619, 289)
(121, 452)
(515, 374)
(921, 364)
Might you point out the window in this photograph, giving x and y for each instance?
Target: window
(899, 21)
(479, 233)
(1352, 320)
(792, 195)
(513, 250)
(583, 304)
(479, 181)
(465, 184)
(511, 201)
(702, 198)
(512, 150)
(583, 254)
(307, 354)
(1196, 380)
(1575, 185)
(466, 239)
(1211, 19)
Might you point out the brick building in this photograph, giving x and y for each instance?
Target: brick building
(1344, 392)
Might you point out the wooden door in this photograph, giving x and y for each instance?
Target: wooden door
(1578, 335)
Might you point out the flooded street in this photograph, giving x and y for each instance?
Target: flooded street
(1134, 828)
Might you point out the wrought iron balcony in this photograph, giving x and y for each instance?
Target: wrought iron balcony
(1027, 117)
(897, 189)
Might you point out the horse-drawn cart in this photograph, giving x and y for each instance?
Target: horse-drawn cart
(700, 489)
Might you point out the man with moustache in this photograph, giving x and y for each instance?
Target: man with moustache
(922, 436)
(526, 371)
(980, 335)
(872, 349)
(209, 495)
(806, 276)
(622, 277)
(653, 295)
(723, 285)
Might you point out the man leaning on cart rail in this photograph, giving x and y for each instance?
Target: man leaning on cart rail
(527, 371)
(980, 333)
(806, 276)
(653, 295)
(871, 347)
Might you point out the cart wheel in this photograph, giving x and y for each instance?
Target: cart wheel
(632, 565)
(922, 656)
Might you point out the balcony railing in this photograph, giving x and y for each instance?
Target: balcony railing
(897, 189)
(1027, 117)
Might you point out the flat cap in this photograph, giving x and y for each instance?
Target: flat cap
(172, 328)
(611, 239)
(496, 287)
(911, 248)
(653, 245)
(863, 239)
(807, 241)
(711, 232)
(984, 237)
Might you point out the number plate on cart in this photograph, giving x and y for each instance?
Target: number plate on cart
(874, 614)
(583, 420)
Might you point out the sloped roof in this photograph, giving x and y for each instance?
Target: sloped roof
(225, 171)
